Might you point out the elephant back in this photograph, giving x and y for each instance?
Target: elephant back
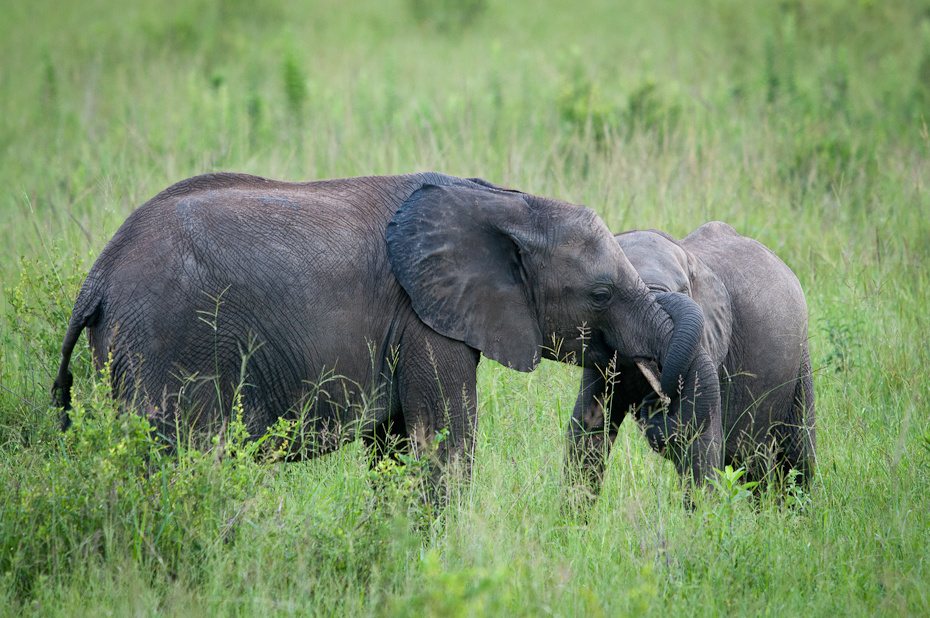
(769, 342)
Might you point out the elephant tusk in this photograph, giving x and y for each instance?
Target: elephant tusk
(654, 381)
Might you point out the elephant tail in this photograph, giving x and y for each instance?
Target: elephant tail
(85, 313)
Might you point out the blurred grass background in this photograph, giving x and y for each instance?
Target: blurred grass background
(800, 123)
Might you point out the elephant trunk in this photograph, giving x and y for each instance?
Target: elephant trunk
(688, 325)
(690, 432)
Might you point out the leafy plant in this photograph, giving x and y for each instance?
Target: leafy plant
(795, 496)
(731, 495)
(730, 489)
(111, 490)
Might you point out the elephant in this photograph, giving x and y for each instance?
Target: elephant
(354, 307)
(754, 333)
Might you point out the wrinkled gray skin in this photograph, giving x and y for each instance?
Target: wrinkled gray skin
(365, 302)
(755, 336)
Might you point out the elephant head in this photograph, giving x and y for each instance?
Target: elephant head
(667, 268)
(521, 277)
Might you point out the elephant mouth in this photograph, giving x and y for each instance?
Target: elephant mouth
(655, 417)
(660, 430)
(653, 413)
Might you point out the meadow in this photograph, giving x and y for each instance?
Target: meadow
(802, 123)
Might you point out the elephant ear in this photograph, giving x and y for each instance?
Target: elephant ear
(711, 295)
(459, 253)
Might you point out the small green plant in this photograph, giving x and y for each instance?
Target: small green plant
(41, 304)
(49, 82)
(731, 496)
(396, 485)
(922, 78)
(795, 496)
(729, 487)
(255, 112)
(411, 485)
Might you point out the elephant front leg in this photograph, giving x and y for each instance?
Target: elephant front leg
(800, 437)
(437, 384)
(592, 430)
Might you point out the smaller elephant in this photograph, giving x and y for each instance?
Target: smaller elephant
(754, 332)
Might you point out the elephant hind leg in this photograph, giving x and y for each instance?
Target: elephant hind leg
(801, 442)
(791, 440)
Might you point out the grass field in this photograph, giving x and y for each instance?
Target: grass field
(801, 123)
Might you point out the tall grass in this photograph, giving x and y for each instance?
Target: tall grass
(799, 123)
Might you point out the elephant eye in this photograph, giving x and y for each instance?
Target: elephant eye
(601, 296)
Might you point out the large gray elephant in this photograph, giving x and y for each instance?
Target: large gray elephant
(358, 306)
(754, 334)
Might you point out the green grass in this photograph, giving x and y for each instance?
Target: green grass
(799, 123)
